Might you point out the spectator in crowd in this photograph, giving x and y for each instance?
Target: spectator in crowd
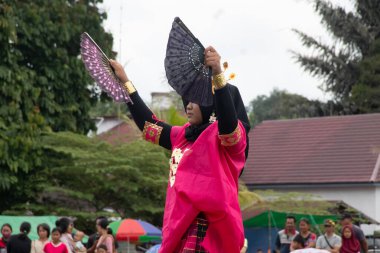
(20, 243)
(56, 246)
(349, 242)
(91, 245)
(259, 251)
(329, 240)
(43, 231)
(346, 220)
(78, 237)
(105, 238)
(286, 236)
(116, 244)
(66, 227)
(6, 232)
(101, 249)
(310, 239)
(298, 242)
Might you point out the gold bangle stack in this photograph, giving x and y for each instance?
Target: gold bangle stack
(219, 81)
(129, 87)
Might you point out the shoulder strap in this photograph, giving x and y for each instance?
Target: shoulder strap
(328, 243)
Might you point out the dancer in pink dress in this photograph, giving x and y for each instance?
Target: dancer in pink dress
(202, 212)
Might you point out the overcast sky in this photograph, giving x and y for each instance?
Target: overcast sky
(254, 36)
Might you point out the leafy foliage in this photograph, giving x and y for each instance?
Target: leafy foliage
(88, 175)
(340, 65)
(283, 105)
(44, 85)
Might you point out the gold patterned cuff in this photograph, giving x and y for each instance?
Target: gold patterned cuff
(232, 138)
(219, 81)
(152, 132)
(129, 87)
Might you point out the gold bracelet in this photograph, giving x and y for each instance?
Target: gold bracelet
(219, 81)
(129, 87)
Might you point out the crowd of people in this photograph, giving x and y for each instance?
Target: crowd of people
(350, 240)
(61, 239)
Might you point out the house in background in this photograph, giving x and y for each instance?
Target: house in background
(116, 130)
(336, 158)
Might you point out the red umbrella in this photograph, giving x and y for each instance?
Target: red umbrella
(135, 231)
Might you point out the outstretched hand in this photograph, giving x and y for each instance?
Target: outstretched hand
(119, 71)
(212, 60)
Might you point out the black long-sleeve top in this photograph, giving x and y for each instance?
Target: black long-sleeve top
(227, 116)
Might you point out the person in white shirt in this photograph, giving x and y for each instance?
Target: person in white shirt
(329, 241)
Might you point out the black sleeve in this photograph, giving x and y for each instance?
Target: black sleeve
(141, 113)
(225, 110)
(90, 241)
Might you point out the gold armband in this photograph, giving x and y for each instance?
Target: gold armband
(129, 87)
(232, 138)
(219, 81)
(152, 132)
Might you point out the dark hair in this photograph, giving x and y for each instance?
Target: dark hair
(24, 229)
(103, 223)
(298, 238)
(63, 224)
(102, 246)
(56, 229)
(45, 227)
(100, 218)
(291, 217)
(6, 225)
(346, 216)
(259, 250)
(306, 220)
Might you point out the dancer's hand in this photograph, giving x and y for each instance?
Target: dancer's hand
(119, 71)
(212, 59)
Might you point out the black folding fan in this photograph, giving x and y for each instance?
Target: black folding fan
(184, 65)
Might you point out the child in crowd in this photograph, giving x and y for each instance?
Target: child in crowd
(297, 243)
(101, 249)
(78, 237)
(55, 246)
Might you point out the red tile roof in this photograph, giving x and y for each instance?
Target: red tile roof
(341, 149)
(122, 133)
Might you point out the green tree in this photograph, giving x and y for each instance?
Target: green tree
(88, 175)
(354, 34)
(44, 84)
(366, 93)
(283, 105)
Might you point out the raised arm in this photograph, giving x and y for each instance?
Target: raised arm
(229, 130)
(154, 131)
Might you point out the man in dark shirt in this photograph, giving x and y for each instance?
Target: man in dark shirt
(94, 237)
(346, 220)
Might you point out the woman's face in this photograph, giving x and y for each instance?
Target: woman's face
(42, 233)
(98, 228)
(70, 228)
(6, 232)
(194, 115)
(347, 233)
(304, 227)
